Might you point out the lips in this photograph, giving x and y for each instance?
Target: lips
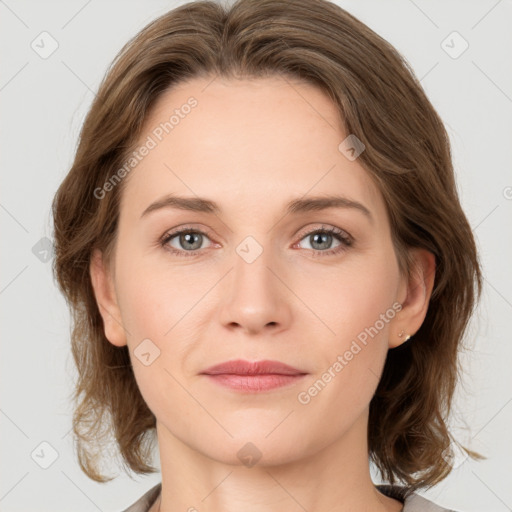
(253, 377)
(247, 368)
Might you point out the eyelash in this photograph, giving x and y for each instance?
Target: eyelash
(345, 239)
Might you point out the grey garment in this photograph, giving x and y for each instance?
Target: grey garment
(413, 503)
(143, 504)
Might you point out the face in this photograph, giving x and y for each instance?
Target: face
(317, 288)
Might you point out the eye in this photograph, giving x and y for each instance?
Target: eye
(321, 240)
(187, 241)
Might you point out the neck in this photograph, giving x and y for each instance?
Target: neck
(335, 477)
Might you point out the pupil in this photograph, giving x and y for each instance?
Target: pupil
(188, 238)
(321, 236)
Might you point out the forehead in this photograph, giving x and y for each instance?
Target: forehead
(250, 140)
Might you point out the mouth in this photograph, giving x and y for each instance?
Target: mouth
(255, 376)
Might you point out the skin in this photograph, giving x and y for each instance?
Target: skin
(252, 146)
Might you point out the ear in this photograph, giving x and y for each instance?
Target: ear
(416, 292)
(104, 291)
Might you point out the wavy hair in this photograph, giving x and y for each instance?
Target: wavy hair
(407, 153)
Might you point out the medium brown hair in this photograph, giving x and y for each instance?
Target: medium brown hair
(407, 153)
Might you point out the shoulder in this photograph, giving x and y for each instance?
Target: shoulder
(146, 500)
(414, 502)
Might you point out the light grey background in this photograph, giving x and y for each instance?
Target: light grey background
(43, 103)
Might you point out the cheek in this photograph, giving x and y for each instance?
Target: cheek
(358, 306)
(144, 308)
(352, 297)
(153, 300)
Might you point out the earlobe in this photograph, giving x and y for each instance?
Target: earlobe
(106, 299)
(419, 290)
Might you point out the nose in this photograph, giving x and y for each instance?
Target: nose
(256, 296)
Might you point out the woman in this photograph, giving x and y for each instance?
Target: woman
(268, 266)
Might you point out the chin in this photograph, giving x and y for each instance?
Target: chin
(254, 450)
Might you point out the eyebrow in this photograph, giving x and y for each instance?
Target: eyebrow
(302, 205)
